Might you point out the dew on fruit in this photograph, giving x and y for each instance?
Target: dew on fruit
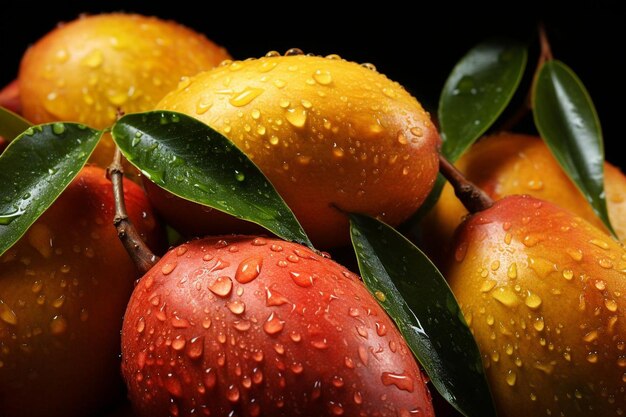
(533, 301)
(575, 254)
(249, 269)
(233, 394)
(506, 297)
(168, 268)
(179, 343)
(296, 116)
(179, 323)
(610, 305)
(58, 325)
(511, 378)
(274, 298)
(222, 286)
(592, 357)
(302, 279)
(400, 381)
(236, 307)
(245, 97)
(94, 59)
(538, 324)
(273, 325)
(7, 314)
(335, 408)
(173, 385)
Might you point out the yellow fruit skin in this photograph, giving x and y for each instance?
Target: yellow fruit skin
(85, 70)
(328, 133)
(544, 294)
(507, 164)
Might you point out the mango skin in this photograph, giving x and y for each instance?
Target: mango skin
(263, 328)
(330, 135)
(88, 69)
(544, 293)
(506, 164)
(63, 290)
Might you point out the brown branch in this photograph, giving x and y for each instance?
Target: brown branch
(473, 198)
(544, 56)
(140, 253)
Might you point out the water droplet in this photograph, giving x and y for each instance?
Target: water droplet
(400, 381)
(533, 301)
(141, 325)
(297, 368)
(249, 269)
(273, 325)
(322, 77)
(512, 271)
(236, 307)
(568, 274)
(294, 51)
(179, 323)
(296, 116)
(599, 243)
(610, 305)
(233, 394)
(302, 279)
(7, 218)
(335, 408)
(511, 378)
(94, 59)
(575, 254)
(592, 357)
(7, 314)
(380, 296)
(179, 343)
(506, 297)
(173, 386)
(539, 324)
(58, 128)
(58, 325)
(239, 176)
(195, 348)
(210, 378)
(274, 298)
(381, 329)
(245, 97)
(222, 286)
(168, 268)
(487, 285)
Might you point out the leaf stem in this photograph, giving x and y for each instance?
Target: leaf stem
(473, 198)
(544, 56)
(139, 252)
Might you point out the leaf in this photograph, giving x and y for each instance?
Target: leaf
(34, 169)
(11, 125)
(195, 162)
(416, 296)
(479, 88)
(567, 121)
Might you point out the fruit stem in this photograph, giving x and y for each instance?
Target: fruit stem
(473, 198)
(544, 56)
(139, 252)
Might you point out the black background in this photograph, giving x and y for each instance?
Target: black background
(417, 48)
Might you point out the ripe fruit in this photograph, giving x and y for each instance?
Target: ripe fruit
(63, 289)
(544, 294)
(328, 133)
(88, 69)
(508, 164)
(262, 327)
(10, 97)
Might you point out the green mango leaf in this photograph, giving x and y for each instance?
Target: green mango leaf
(34, 169)
(567, 121)
(11, 125)
(479, 88)
(416, 296)
(195, 162)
